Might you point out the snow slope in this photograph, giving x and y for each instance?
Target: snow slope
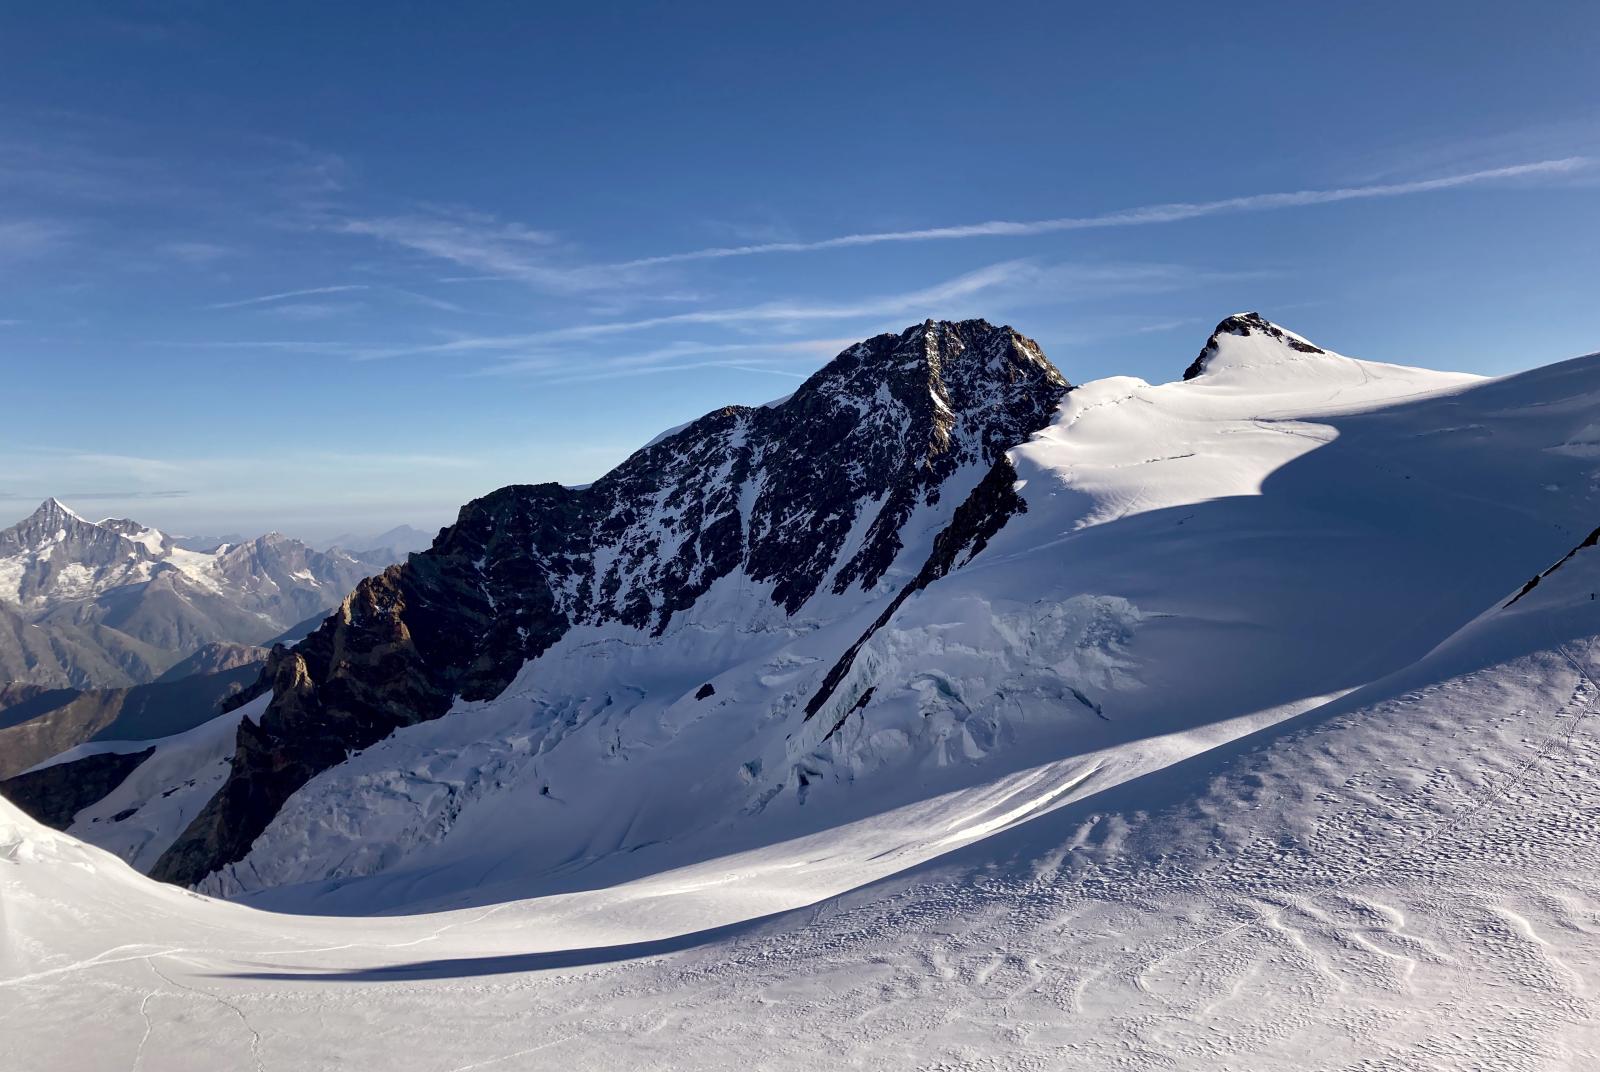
(1247, 745)
(164, 792)
(1402, 878)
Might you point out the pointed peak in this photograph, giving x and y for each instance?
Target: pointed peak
(41, 527)
(55, 508)
(1245, 325)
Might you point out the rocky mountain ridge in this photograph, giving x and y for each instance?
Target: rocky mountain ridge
(812, 501)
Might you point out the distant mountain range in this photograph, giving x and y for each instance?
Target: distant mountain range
(115, 603)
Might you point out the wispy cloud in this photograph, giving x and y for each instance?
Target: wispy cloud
(315, 310)
(66, 166)
(199, 253)
(264, 299)
(680, 366)
(998, 285)
(1171, 212)
(933, 300)
(324, 347)
(20, 239)
(1162, 326)
(86, 164)
(131, 465)
(928, 299)
(395, 460)
(491, 248)
(424, 299)
(752, 356)
(72, 496)
(1403, 154)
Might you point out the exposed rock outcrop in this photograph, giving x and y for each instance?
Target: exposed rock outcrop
(1591, 540)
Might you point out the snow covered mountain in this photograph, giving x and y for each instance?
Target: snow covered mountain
(114, 603)
(1238, 721)
(753, 523)
(933, 567)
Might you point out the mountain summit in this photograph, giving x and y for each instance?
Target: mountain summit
(1241, 326)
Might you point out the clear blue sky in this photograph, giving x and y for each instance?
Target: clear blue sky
(332, 266)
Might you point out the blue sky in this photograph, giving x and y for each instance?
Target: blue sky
(321, 267)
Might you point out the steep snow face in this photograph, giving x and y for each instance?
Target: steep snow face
(1196, 560)
(152, 540)
(1247, 340)
(1281, 542)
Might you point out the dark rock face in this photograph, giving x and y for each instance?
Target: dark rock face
(775, 492)
(215, 658)
(1591, 540)
(55, 794)
(1246, 324)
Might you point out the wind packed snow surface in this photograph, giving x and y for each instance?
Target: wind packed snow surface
(1235, 750)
